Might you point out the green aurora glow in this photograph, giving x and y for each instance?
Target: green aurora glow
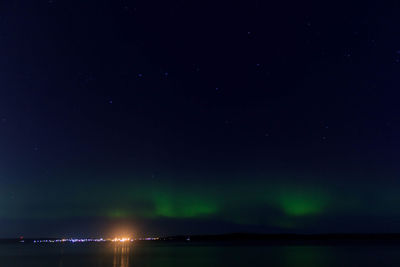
(274, 204)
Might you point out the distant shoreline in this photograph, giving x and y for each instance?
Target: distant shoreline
(278, 239)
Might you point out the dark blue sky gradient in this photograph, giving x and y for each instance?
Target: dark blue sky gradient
(178, 117)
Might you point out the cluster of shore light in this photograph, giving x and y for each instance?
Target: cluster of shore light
(83, 240)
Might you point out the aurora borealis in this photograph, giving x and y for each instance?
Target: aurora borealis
(186, 117)
(278, 204)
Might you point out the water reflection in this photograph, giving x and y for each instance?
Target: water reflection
(165, 254)
(121, 254)
(306, 256)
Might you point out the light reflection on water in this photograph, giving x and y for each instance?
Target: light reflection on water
(195, 255)
(121, 254)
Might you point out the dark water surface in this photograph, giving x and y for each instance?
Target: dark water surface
(195, 254)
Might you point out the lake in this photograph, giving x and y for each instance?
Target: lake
(195, 254)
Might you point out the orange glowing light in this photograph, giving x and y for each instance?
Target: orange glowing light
(121, 233)
(122, 239)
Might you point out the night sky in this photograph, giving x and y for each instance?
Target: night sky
(193, 117)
